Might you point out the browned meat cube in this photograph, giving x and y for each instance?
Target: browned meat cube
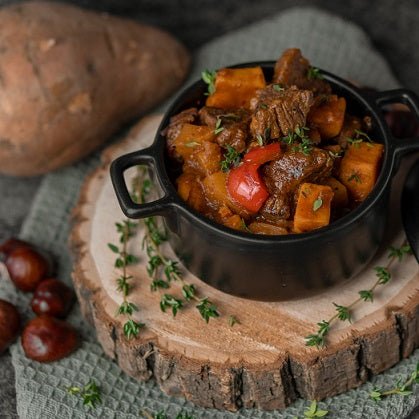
(283, 176)
(279, 111)
(231, 127)
(292, 69)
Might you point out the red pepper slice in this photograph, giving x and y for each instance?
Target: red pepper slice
(263, 154)
(246, 187)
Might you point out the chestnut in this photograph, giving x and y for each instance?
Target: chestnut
(11, 244)
(26, 267)
(9, 324)
(46, 339)
(52, 297)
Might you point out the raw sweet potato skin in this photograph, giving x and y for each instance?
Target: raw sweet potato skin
(69, 78)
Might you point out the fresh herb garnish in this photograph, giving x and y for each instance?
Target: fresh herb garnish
(314, 73)
(299, 134)
(355, 176)
(209, 78)
(232, 320)
(313, 411)
(231, 158)
(401, 388)
(126, 230)
(278, 88)
(317, 204)
(343, 313)
(259, 139)
(90, 393)
(218, 127)
(192, 144)
(359, 138)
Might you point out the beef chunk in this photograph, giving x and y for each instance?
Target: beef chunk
(350, 125)
(292, 69)
(279, 112)
(188, 116)
(234, 124)
(283, 176)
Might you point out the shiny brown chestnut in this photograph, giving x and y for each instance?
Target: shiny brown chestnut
(46, 339)
(27, 267)
(277, 267)
(52, 297)
(11, 244)
(9, 324)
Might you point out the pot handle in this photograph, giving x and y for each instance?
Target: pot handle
(407, 97)
(130, 208)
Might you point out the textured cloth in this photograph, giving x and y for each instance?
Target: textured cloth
(329, 43)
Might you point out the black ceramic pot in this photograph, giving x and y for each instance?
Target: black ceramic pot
(273, 268)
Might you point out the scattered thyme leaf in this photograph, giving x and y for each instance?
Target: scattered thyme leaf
(314, 412)
(192, 144)
(218, 127)
(209, 77)
(314, 73)
(207, 309)
(317, 204)
(132, 328)
(90, 393)
(232, 320)
(278, 88)
(355, 176)
(169, 301)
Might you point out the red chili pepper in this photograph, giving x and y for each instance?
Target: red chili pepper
(247, 187)
(263, 154)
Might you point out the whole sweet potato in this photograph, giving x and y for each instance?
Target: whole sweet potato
(69, 78)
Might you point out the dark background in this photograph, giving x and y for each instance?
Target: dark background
(393, 26)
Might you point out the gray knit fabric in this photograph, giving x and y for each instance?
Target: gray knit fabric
(330, 43)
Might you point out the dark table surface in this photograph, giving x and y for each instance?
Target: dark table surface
(393, 26)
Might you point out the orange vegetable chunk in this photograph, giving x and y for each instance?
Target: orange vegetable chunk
(313, 207)
(329, 117)
(235, 87)
(359, 168)
(190, 138)
(340, 193)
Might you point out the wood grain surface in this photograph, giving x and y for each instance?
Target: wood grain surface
(263, 361)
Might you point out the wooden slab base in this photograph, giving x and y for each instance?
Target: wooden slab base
(262, 362)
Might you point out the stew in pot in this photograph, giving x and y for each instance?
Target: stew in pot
(273, 157)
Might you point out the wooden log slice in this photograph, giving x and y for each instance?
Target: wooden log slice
(262, 362)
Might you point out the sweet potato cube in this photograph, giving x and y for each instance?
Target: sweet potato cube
(235, 87)
(216, 189)
(313, 207)
(190, 138)
(235, 222)
(329, 117)
(340, 193)
(191, 191)
(360, 167)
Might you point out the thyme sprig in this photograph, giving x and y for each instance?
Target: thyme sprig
(90, 393)
(126, 230)
(401, 388)
(231, 158)
(359, 137)
(314, 73)
(161, 269)
(301, 142)
(313, 411)
(344, 313)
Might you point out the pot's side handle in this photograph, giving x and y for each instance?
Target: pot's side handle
(130, 208)
(401, 145)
